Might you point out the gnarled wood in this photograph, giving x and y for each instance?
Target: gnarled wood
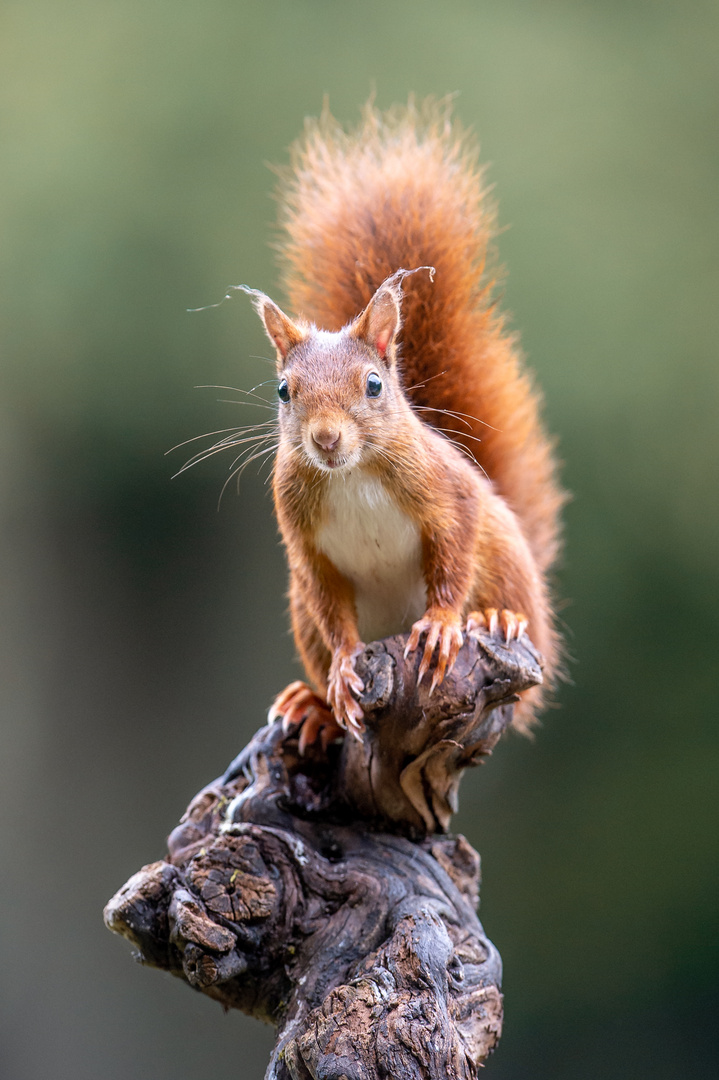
(319, 892)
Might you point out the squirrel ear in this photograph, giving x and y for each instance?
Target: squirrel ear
(281, 331)
(380, 321)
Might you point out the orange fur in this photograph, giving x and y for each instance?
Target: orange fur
(403, 191)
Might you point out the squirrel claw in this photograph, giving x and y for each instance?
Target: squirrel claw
(343, 683)
(442, 628)
(319, 724)
(293, 695)
(300, 707)
(512, 624)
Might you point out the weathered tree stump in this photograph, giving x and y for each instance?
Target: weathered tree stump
(321, 893)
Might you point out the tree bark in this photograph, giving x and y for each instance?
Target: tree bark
(321, 893)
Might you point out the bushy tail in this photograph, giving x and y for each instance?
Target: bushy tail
(404, 189)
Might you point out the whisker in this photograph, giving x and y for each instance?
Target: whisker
(265, 358)
(249, 450)
(206, 435)
(418, 385)
(238, 472)
(428, 408)
(220, 431)
(464, 450)
(263, 403)
(457, 415)
(232, 440)
(235, 389)
(266, 382)
(459, 434)
(229, 444)
(224, 444)
(261, 467)
(254, 457)
(385, 455)
(254, 404)
(243, 465)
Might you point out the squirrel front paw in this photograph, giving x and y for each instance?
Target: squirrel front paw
(300, 707)
(443, 628)
(343, 681)
(511, 624)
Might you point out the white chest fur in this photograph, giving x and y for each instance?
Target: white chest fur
(378, 548)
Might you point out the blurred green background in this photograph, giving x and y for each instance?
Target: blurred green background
(144, 632)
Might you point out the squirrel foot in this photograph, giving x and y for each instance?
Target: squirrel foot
(443, 628)
(511, 624)
(300, 707)
(343, 680)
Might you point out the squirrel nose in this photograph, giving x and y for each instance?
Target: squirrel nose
(326, 438)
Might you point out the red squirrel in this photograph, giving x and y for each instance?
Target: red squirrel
(414, 485)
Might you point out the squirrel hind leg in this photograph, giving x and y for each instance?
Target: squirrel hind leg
(304, 710)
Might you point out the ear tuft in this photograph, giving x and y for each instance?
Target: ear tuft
(379, 323)
(281, 330)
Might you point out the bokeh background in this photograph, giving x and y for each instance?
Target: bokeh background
(144, 633)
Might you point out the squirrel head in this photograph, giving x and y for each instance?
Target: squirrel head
(339, 391)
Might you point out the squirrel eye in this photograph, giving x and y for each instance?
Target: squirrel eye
(374, 385)
(283, 391)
